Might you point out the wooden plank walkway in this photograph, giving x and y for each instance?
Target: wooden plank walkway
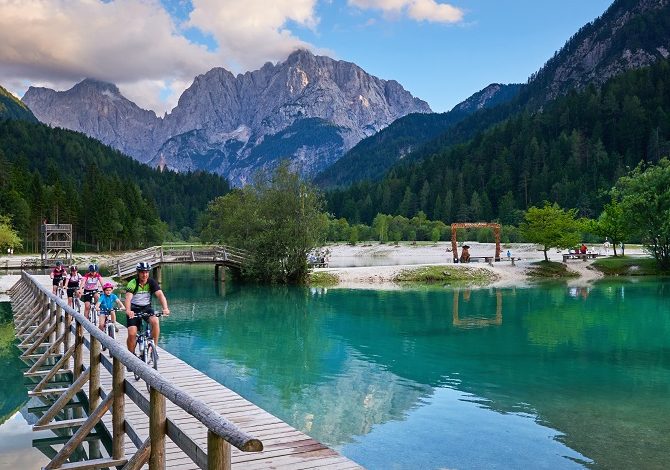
(282, 445)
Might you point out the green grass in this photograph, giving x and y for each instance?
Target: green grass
(550, 270)
(321, 279)
(445, 274)
(628, 266)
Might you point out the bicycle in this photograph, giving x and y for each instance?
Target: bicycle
(145, 342)
(110, 326)
(76, 303)
(93, 312)
(60, 292)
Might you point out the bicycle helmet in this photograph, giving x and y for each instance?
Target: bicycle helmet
(143, 266)
(73, 268)
(92, 268)
(107, 285)
(58, 263)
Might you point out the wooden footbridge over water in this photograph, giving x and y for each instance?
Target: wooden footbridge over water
(186, 420)
(219, 255)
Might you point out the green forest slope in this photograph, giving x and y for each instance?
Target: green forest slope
(113, 200)
(570, 153)
(12, 108)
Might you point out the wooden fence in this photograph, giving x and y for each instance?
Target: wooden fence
(44, 321)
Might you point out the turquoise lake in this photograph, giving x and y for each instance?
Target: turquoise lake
(544, 377)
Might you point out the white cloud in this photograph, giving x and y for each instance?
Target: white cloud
(127, 42)
(420, 10)
(137, 45)
(252, 32)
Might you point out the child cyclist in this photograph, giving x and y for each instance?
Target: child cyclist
(107, 305)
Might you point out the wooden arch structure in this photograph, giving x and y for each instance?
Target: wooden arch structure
(454, 239)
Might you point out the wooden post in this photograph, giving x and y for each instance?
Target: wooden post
(79, 349)
(454, 243)
(67, 322)
(94, 390)
(94, 380)
(157, 429)
(218, 452)
(118, 409)
(60, 315)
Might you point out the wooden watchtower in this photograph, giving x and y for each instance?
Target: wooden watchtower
(56, 242)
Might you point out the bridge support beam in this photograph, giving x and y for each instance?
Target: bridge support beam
(157, 274)
(219, 273)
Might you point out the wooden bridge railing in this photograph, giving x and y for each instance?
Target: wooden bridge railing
(157, 255)
(43, 320)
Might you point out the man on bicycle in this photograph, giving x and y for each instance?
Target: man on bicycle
(138, 300)
(58, 275)
(107, 305)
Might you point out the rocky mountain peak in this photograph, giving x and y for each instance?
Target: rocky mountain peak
(308, 108)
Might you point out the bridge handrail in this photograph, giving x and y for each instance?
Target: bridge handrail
(156, 254)
(213, 421)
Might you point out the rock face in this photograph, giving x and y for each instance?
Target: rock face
(310, 109)
(629, 35)
(489, 97)
(98, 110)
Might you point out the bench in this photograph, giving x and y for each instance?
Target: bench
(582, 256)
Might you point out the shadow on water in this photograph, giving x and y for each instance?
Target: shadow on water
(20, 447)
(537, 371)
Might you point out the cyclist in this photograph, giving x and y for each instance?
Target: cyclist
(107, 305)
(58, 275)
(73, 281)
(89, 285)
(138, 300)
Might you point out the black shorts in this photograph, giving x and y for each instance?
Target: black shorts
(71, 291)
(57, 280)
(88, 295)
(137, 321)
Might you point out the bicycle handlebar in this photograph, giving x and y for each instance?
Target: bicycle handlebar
(147, 314)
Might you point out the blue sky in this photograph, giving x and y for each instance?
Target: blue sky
(441, 51)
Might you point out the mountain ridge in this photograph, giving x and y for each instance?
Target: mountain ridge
(232, 115)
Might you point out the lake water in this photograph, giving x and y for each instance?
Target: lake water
(545, 377)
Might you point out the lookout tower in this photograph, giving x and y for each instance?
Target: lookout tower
(56, 242)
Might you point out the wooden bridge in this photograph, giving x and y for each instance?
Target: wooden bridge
(186, 420)
(218, 255)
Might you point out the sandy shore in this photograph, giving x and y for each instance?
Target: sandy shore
(375, 265)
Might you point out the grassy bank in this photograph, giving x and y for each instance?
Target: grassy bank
(550, 270)
(628, 266)
(321, 279)
(445, 274)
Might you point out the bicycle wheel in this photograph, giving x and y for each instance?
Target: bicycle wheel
(142, 355)
(111, 331)
(152, 359)
(152, 356)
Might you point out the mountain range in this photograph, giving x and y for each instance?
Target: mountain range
(310, 109)
(629, 35)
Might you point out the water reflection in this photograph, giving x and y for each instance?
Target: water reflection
(365, 369)
(479, 320)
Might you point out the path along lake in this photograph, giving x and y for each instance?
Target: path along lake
(549, 377)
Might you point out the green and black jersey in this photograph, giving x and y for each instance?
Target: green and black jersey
(142, 294)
